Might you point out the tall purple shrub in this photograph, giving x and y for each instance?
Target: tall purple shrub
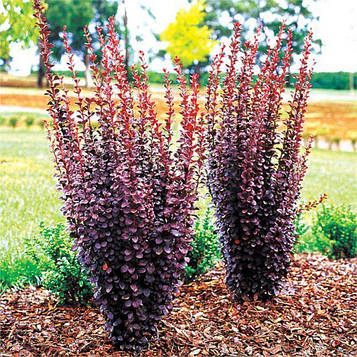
(128, 194)
(255, 164)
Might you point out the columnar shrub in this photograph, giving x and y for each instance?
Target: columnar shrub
(255, 164)
(128, 183)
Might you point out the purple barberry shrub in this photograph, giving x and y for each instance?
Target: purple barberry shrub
(127, 182)
(255, 165)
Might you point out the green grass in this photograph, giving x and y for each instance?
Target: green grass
(334, 173)
(27, 197)
(28, 194)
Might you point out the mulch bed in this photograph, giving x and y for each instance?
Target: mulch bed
(315, 315)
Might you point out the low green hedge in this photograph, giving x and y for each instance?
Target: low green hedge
(333, 232)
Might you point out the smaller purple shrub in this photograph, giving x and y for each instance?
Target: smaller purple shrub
(255, 165)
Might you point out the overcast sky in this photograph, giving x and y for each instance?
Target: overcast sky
(337, 28)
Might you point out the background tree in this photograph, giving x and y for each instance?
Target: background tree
(123, 30)
(267, 13)
(103, 9)
(17, 26)
(188, 38)
(76, 14)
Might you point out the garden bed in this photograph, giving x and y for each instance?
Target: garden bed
(315, 315)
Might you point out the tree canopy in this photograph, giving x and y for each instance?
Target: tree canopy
(17, 25)
(75, 14)
(187, 37)
(220, 16)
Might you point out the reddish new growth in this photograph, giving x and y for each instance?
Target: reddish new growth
(128, 195)
(255, 165)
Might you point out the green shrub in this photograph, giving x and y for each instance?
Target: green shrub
(29, 121)
(2, 120)
(302, 229)
(332, 80)
(61, 271)
(80, 74)
(335, 229)
(13, 121)
(158, 78)
(319, 80)
(205, 248)
(17, 269)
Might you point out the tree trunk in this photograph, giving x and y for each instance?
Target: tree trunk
(7, 64)
(316, 142)
(198, 71)
(351, 81)
(126, 40)
(288, 79)
(86, 73)
(41, 73)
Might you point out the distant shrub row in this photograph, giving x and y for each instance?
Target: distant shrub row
(333, 80)
(153, 77)
(319, 80)
(14, 121)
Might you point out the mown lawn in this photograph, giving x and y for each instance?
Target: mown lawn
(28, 194)
(334, 173)
(27, 197)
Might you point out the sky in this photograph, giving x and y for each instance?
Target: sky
(336, 27)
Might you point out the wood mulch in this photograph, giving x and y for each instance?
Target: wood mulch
(314, 315)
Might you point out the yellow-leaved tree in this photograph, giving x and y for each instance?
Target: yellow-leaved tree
(187, 37)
